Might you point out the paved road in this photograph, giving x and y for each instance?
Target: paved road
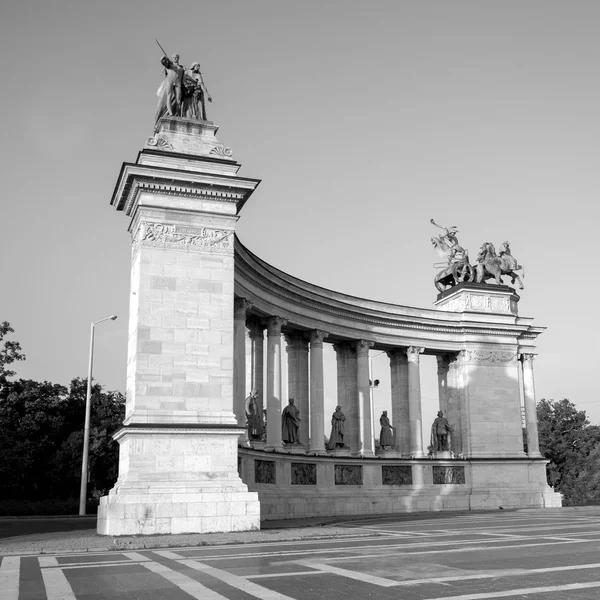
(25, 526)
(553, 555)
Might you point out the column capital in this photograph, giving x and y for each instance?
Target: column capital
(443, 362)
(295, 340)
(343, 349)
(412, 353)
(362, 347)
(316, 337)
(527, 360)
(256, 328)
(240, 306)
(274, 325)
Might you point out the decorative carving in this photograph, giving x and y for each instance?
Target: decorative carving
(412, 353)
(487, 357)
(222, 150)
(158, 142)
(448, 475)
(396, 475)
(274, 325)
(304, 474)
(264, 471)
(204, 238)
(443, 362)
(240, 306)
(348, 475)
(527, 360)
(362, 347)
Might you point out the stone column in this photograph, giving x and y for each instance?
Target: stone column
(317, 392)
(400, 416)
(414, 401)
(366, 443)
(454, 403)
(297, 349)
(257, 338)
(533, 445)
(347, 393)
(241, 305)
(274, 388)
(443, 365)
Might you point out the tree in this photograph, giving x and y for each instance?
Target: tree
(9, 352)
(570, 442)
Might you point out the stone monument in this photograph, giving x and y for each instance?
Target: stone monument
(178, 445)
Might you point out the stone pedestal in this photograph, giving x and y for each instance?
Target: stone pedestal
(178, 447)
(479, 298)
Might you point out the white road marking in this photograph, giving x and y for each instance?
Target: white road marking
(183, 582)
(519, 592)
(358, 575)
(136, 557)
(241, 583)
(57, 586)
(290, 574)
(48, 561)
(9, 577)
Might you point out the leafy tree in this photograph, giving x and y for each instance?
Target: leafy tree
(9, 352)
(568, 440)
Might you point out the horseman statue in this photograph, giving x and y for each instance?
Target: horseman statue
(491, 265)
(457, 268)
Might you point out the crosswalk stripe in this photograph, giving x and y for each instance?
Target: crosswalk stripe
(9, 577)
(183, 582)
(57, 586)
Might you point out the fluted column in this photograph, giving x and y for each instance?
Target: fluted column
(366, 443)
(414, 401)
(347, 394)
(533, 444)
(400, 417)
(257, 339)
(274, 391)
(317, 392)
(298, 386)
(241, 305)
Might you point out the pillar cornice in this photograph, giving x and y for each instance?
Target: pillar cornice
(412, 353)
(240, 307)
(527, 360)
(274, 325)
(363, 347)
(316, 337)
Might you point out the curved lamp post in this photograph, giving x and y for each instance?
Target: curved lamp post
(86, 429)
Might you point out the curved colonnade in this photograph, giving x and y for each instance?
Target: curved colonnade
(485, 357)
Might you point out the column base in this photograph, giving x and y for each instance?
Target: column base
(389, 453)
(441, 454)
(256, 445)
(416, 454)
(294, 448)
(339, 452)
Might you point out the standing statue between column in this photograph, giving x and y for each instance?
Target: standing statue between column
(338, 429)
(253, 417)
(440, 433)
(290, 423)
(387, 434)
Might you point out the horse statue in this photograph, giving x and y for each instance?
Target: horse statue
(458, 270)
(491, 265)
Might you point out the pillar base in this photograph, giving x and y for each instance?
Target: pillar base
(178, 480)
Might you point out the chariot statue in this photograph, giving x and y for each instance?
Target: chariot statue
(457, 267)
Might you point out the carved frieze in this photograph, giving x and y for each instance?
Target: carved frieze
(264, 471)
(304, 474)
(348, 475)
(222, 151)
(446, 475)
(158, 142)
(487, 357)
(478, 302)
(203, 239)
(396, 474)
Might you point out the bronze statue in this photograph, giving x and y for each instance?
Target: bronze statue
(253, 417)
(440, 433)
(290, 423)
(457, 267)
(338, 429)
(170, 92)
(493, 266)
(386, 436)
(195, 94)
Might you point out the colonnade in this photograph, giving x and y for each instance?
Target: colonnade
(305, 379)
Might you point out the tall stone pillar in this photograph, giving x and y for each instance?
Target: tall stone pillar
(241, 305)
(297, 349)
(274, 387)
(257, 339)
(347, 393)
(533, 444)
(414, 401)
(178, 446)
(400, 414)
(366, 443)
(454, 400)
(317, 392)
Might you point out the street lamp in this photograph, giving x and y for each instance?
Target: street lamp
(86, 428)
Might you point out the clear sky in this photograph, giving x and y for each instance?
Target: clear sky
(364, 120)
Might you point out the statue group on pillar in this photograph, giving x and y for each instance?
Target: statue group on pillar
(456, 267)
(182, 92)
